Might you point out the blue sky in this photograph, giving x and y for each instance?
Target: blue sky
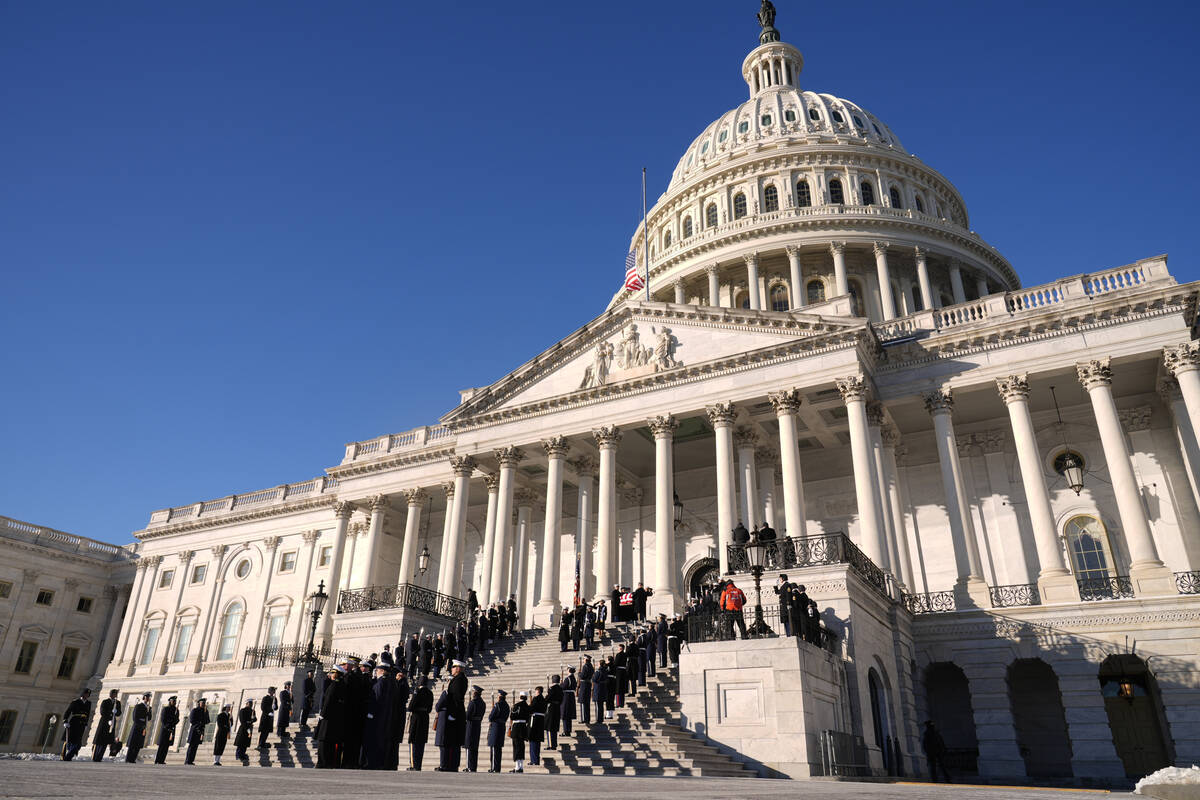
(235, 236)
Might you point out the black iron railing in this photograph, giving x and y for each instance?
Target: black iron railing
(406, 595)
(721, 627)
(812, 551)
(1188, 582)
(928, 603)
(1110, 588)
(1014, 595)
(274, 656)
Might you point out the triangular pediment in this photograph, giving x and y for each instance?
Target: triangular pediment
(644, 342)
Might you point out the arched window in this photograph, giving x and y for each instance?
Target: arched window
(868, 193)
(739, 205)
(803, 195)
(770, 199)
(1087, 541)
(779, 297)
(710, 216)
(667, 239)
(230, 629)
(815, 291)
(835, 192)
(856, 298)
(920, 205)
(275, 628)
(894, 194)
(687, 227)
(743, 300)
(814, 115)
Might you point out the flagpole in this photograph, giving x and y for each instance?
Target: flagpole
(645, 236)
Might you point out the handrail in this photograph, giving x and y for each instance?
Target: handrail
(406, 595)
(811, 551)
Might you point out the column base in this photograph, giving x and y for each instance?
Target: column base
(545, 615)
(1058, 589)
(1152, 580)
(663, 603)
(971, 592)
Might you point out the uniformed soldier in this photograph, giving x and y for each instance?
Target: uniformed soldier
(570, 687)
(106, 728)
(519, 732)
(75, 721)
(497, 720)
(137, 735)
(266, 719)
(418, 723)
(586, 672)
(554, 698)
(284, 717)
(224, 725)
(331, 730)
(537, 725)
(166, 729)
(198, 720)
(475, 712)
(246, 720)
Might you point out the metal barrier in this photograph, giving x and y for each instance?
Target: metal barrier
(406, 595)
(722, 627)
(1015, 595)
(1110, 588)
(1188, 582)
(813, 551)
(844, 754)
(277, 656)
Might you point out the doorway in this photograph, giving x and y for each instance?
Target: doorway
(1041, 723)
(1135, 714)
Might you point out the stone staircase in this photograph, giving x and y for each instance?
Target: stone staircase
(644, 738)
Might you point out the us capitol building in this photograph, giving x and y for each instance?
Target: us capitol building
(991, 491)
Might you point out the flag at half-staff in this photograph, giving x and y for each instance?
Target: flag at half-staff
(633, 279)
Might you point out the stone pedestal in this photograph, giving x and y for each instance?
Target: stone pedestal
(1058, 589)
(1152, 580)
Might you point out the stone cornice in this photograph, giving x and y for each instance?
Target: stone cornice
(390, 461)
(264, 512)
(74, 558)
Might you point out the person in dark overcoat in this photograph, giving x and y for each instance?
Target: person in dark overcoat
(106, 728)
(439, 729)
(137, 734)
(310, 695)
(537, 725)
(497, 723)
(426, 664)
(412, 651)
(331, 730)
(358, 691)
(246, 720)
(266, 719)
(378, 727)
(475, 712)
(586, 673)
(660, 630)
(600, 689)
(400, 693)
(519, 731)
(75, 720)
(439, 657)
(564, 632)
(554, 698)
(166, 729)
(570, 688)
(418, 723)
(224, 725)
(284, 717)
(456, 717)
(198, 720)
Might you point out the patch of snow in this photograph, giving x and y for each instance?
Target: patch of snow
(1170, 776)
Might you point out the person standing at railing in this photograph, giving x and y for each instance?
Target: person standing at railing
(783, 590)
(732, 601)
(766, 535)
(814, 622)
(740, 534)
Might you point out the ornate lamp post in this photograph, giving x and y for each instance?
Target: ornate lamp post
(756, 555)
(316, 605)
(423, 560)
(678, 511)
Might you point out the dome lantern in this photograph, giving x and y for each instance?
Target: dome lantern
(773, 64)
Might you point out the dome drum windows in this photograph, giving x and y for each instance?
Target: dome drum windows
(770, 199)
(766, 120)
(743, 127)
(803, 194)
(789, 116)
(710, 216)
(666, 239)
(868, 193)
(836, 196)
(687, 227)
(814, 290)
(779, 297)
(894, 196)
(838, 118)
(919, 203)
(739, 205)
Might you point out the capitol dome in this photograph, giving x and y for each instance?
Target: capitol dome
(798, 200)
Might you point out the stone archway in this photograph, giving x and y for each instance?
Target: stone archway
(705, 572)
(1135, 714)
(1039, 718)
(948, 698)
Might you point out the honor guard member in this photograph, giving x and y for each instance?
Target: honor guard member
(285, 711)
(310, 696)
(378, 727)
(137, 734)
(599, 689)
(331, 730)
(651, 649)
(570, 686)
(224, 725)
(660, 630)
(412, 651)
(106, 728)
(537, 725)
(75, 721)
(418, 723)
(585, 690)
(441, 708)
(589, 629)
(198, 720)
(554, 699)
(246, 720)
(166, 729)
(497, 722)
(476, 710)
(266, 719)
(400, 693)
(519, 731)
(456, 716)
(564, 633)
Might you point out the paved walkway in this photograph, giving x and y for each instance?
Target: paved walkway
(56, 779)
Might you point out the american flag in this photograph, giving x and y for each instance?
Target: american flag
(576, 580)
(633, 280)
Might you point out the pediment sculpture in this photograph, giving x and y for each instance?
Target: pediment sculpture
(628, 358)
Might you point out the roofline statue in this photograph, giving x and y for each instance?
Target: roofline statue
(766, 18)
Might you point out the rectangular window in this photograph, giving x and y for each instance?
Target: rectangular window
(165, 579)
(84, 606)
(66, 667)
(199, 572)
(275, 630)
(49, 726)
(183, 642)
(8, 722)
(325, 555)
(25, 658)
(45, 597)
(5, 589)
(287, 561)
(150, 645)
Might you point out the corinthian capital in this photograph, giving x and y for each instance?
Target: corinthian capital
(751, 259)
(837, 248)
(607, 436)
(889, 435)
(875, 414)
(462, 466)
(663, 426)
(744, 436)
(1182, 358)
(219, 550)
(308, 537)
(185, 556)
(1094, 373)
(880, 248)
(721, 414)
(939, 401)
(1169, 390)
(791, 250)
(272, 542)
(556, 446)
(785, 402)
(416, 497)
(379, 502)
(510, 456)
(343, 509)
(584, 466)
(1014, 387)
(525, 498)
(492, 480)
(448, 489)
(852, 388)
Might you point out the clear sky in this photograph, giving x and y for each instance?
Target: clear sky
(235, 236)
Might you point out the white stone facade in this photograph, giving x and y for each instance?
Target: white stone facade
(863, 364)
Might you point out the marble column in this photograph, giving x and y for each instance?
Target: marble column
(714, 285)
(218, 556)
(666, 593)
(786, 405)
(271, 543)
(746, 439)
(1183, 362)
(722, 417)
(765, 459)
(154, 565)
(883, 508)
(342, 512)
(492, 480)
(447, 533)
(450, 570)
(379, 509)
(141, 565)
(927, 299)
(890, 438)
(356, 531)
(797, 280)
(509, 457)
(1055, 582)
(678, 286)
(412, 531)
(118, 597)
(841, 284)
(607, 438)
(1147, 573)
(1185, 434)
(956, 283)
(300, 603)
(854, 394)
(550, 600)
(185, 560)
(981, 286)
(585, 468)
(524, 498)
(884, 275)
(752, 280)
(970, 589)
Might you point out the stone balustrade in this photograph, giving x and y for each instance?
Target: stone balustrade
(60, 540)
(236, 502)
(408, 440)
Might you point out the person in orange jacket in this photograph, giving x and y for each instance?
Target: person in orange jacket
(732, 600)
